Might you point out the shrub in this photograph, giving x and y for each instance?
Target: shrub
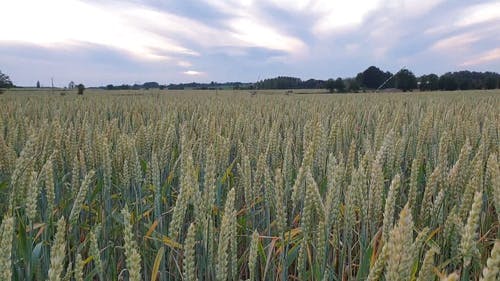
(81, 88)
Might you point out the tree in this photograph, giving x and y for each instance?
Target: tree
(429, 82)
(372, 77)
(280, 82)
(339, 85)
(491, 80)
(448, 82)
(405, 80)
(5, 81)
(330, 85)
(151, 85)
(71, 85)
(312, 84)
(352, 85)
(38, 84)
(81, 88)
(336, 85)
(390, 83)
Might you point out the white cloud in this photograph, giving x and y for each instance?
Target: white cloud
(457, 42)
(58, 23)
(329, 15)
(136, 29)
(248, 28)
(193, 73)
(256, 34)
(170, 25)
(486, 57)
(467, 17)
(335, 15)
(466, 40)
(479, 14)
(338, 15)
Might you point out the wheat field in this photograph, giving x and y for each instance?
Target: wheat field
(202, 186)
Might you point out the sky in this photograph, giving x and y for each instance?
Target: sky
(100, 42)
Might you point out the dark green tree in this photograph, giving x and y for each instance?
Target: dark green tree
(352, 85)
(312, 84)
(429, 82)
(405, 80)
(5, 81)
(389, 83)
(339, 85)
(280, 82)
(448, 82)
(372, 77)
(151, 85)
(38, 84)
(491, 80)
(330, 85)
(81, 88)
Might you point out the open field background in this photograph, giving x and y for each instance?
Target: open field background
(142, 92)
(225, 92)
(194, 185)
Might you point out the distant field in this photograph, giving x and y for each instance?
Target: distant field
(199, 185)
(298, 92)
(44, 91)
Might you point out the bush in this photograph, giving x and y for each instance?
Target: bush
(5, 81)
(81, 88)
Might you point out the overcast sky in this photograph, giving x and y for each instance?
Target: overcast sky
(102, 42)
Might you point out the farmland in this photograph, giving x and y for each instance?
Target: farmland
(161, 185)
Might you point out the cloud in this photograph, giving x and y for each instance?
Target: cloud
(487, 57)
(465, 16)
(59, 23)
(471, 41)
(338, 14)
(255, 34)
(245, 23)
(478, 14)
(193, 73)
(138, 29)
(456, 42)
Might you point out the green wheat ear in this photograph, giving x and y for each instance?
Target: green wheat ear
(189, 267)
(253, 255)
(132, 255)
(399, 260)
(468, 244)
(58, 252)
(492, 268)
(225, 236)
(426, 272)
(6, 237)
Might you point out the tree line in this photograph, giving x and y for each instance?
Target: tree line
(372, 78)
